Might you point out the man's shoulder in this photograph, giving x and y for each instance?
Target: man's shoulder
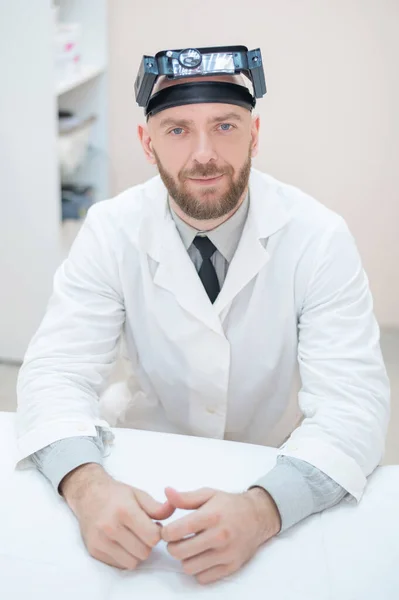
(130, 206)
(303, 210)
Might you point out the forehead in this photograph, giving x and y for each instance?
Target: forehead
(199, 114)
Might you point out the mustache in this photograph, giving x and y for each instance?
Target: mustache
(202, 171)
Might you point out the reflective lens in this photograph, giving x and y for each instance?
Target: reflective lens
(219, 62)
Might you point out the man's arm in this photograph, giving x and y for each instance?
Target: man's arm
(345, 390)
(72, 354)
(65, 369)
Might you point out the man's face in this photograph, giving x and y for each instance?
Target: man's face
(203, 153)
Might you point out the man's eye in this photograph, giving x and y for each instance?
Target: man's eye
(226, 126)
(177, 131)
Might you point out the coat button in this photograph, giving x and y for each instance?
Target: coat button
(210, 410)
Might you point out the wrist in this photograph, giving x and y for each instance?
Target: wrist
(267, 513)
(75, 483)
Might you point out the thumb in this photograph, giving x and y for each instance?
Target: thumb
(153, 508)
(189, 500)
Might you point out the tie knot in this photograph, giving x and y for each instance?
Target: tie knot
(205, 246)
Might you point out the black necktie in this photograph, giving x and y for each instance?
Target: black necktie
(207, 272)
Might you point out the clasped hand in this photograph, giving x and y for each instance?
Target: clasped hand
(222, 534)
(120, 524)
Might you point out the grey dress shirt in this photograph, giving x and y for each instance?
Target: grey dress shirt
(298, 488)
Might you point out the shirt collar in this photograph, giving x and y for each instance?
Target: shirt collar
(225, 237)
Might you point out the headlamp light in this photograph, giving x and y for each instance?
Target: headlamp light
(197, 62)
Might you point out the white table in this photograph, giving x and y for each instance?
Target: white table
(350, 552)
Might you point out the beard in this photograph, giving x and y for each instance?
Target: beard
(206, 204)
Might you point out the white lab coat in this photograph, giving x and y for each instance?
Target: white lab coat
(295, 294)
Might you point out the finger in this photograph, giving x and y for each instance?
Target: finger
(203, 562)
(214, 574)
(153, 508)
(118, 555)
(124, 558)
(189, 500)
(108, 560)
(132, 544)
(207, 540)
(140, 524)
(195, 522)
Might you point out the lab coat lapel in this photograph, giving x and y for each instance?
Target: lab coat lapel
(266, 215)
(175, 272)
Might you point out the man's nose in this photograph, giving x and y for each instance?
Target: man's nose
(203, 149)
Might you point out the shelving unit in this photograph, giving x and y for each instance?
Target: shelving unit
(86, 73)
(33, 238)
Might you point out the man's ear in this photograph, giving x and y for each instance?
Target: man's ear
(146, 143)
(255, 135)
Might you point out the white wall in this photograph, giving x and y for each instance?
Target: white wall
(29, 188)
(330, 120)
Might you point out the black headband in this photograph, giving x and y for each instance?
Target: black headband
(199, 92)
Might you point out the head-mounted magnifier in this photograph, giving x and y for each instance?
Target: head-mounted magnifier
(198, 62)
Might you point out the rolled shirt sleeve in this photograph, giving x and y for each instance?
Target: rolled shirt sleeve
(299, 490)
(60, 458)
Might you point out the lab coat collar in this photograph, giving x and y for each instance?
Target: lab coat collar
(176, 272)
(225, 237)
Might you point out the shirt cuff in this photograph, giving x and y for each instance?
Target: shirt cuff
(290, 492)
(60, 458)
(299, 489)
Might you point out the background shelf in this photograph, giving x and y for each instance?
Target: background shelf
(86, 73)
(33, 240)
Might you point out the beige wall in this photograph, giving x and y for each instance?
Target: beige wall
(330, 121)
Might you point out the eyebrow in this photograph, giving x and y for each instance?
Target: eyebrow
(231, 116)
(175, 123)
(186, 122)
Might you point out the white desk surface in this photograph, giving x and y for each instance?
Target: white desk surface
(350, 552)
